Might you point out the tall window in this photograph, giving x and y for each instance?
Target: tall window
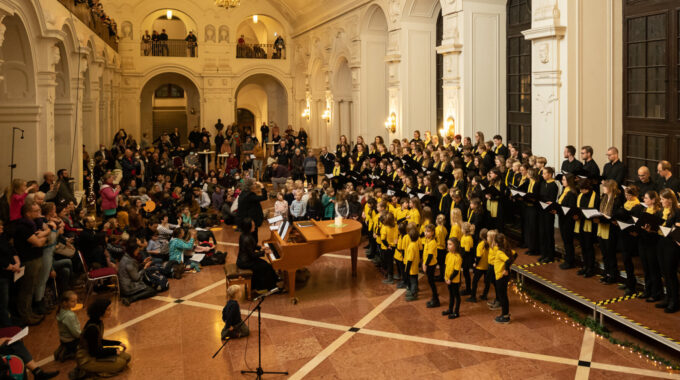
(651, 121)
(440, 74)
(519, 74)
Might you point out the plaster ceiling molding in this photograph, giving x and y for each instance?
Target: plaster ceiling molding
(53, 57)
(545, 100)
(393, 41)
(394, 9)
(546, 10)
(3, 28)
(127, 30)
(209, 33)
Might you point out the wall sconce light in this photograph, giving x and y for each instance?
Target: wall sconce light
(169, 14)
(306, 113)
(391, 123)
(254, 19)
(449, 128)
(326, 115)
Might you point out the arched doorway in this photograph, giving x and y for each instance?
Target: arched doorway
(245, 119)
(64, 130)
(169, 101)
(18, 108)
(266, 98)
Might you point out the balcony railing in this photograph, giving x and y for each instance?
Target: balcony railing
(169, 48)
(105, 29)
(259, 51)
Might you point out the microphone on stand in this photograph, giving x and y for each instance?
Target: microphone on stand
(269, 293)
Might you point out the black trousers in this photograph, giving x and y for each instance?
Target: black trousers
(567, 234)
(489, 279)
(502, 294)
(441, 260)
(388, 260)
(475, 281)
(413, 283)
(148, 292)
(630, 249)
(668, 252)
(530, 228)
(647, 244)
(546, 232)
(608, 248)
(454, 297)
(468, 260)
(312, 178)
(400, 270)
(430, 280)
(587, 240)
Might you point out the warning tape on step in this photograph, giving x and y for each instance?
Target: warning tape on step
(560, 286)
(619, 299)
(531, 265)
(643, 326)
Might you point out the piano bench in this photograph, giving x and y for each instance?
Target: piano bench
(238, 276)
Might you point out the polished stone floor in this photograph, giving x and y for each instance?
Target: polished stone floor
(346, 328)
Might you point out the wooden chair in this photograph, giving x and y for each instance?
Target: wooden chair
(238, 276)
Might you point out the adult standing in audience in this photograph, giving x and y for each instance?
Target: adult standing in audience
(327, 160)
(570, 163)
(645, 183)
(666, 178)
(614, 169)
(65, 191)
(280, 174)
(48, 180)
(29, 243)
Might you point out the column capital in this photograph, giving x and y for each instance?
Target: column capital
(546, 31)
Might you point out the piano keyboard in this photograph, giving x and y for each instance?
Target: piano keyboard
(274, 255)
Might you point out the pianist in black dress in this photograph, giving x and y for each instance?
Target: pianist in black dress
(250, 257)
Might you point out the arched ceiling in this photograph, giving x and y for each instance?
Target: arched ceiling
(305, 11)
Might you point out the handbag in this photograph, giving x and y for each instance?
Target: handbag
(65, 250)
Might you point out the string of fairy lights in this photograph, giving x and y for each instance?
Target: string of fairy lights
(548, 307)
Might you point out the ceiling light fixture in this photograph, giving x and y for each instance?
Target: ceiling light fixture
(227, 4)
(254, 19)
(169, 14)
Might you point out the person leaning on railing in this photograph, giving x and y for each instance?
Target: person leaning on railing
(191, 43)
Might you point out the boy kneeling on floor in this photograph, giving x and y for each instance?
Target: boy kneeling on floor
(231, 315)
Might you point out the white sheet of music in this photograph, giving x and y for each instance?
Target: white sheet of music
(665, 230)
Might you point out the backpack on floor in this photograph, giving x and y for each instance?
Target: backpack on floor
(157, 280)
(217, 258)
(12, 368)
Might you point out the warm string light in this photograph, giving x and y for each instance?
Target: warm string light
(648, 359)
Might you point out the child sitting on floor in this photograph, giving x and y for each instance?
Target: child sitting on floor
(69, 327)
(231, 315)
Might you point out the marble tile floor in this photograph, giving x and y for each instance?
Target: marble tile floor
(345, 328)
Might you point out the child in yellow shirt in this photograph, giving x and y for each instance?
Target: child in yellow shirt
(411, 261)
(440, 236)
(502, 263)
(430, 263)
(454, 263)
(481, 264)
(467, 244)
(369, 213)
(388, 242)
(399, 255)
(490, 278)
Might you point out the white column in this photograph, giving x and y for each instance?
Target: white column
(548, 106)
(3, 28)
(452, 49)
(47, 85)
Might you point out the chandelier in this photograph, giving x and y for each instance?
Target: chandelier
(226, 4)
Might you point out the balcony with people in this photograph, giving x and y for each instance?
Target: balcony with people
(169, 37)
(260, 37)
(91, 13)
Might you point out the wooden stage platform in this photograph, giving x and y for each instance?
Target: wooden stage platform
(607, 302)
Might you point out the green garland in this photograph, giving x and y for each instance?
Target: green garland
(597, 328)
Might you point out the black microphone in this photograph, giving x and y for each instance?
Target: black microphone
(269, 293)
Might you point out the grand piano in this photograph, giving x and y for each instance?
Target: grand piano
(305, 241)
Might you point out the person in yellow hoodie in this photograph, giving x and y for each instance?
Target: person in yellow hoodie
(369, 216)
(388, 242)
(454, 263)
(381, 209)
(481, 264)
(399, 255)
(490, 278)
(502, 262)
(430, 263)
(411, 262)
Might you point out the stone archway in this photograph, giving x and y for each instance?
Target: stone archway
(156, 114)
(266, 94)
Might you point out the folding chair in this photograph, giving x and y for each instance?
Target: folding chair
(94, 275)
